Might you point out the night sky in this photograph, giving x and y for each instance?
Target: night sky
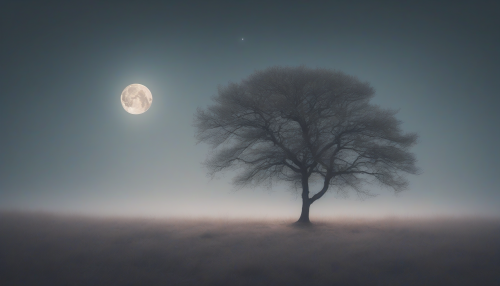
(67, 145)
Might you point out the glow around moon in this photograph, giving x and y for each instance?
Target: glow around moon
(136, 98)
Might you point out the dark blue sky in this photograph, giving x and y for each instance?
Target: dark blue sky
(66, 144)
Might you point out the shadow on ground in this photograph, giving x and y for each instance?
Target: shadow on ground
(38, 249)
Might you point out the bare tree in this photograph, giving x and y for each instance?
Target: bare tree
(301, 125)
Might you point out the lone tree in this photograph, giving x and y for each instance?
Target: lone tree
(302, 125)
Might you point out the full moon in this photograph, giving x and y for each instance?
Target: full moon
(136, 98)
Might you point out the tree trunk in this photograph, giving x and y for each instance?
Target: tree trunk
(304, 215)
(306, 202)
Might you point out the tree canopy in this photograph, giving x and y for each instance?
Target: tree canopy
(300, 125)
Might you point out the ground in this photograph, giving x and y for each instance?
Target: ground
(45, 249)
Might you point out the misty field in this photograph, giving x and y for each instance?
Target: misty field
(42, 249)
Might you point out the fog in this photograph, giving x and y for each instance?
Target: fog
(50, 249)
(92, 195)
